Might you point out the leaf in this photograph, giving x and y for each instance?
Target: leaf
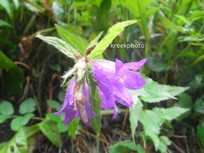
(54, 104)
(61, 45)
(200, 134)
(114, 31)
(49, 129)
(27, 106)
(134, 116)
(163, 143)
(73, 128)
(19, 142)
(20, 121)
(199, 105)
(4, 23)
(157, 65)
(125, 147)
(6, 108)
(154, 92)
(185, 101)
(13, 78)
(3, 118)
(75, 40)
(7, 6)
(95, 105)
(169, 113)
(150, 120)
(94, 41)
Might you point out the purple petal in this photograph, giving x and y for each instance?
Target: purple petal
(118, 65)
(135, 65)
(69, 115)
(130, 79)
(121, 94)
(69, 99)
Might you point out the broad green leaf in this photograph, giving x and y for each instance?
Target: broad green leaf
(95, 105)
(150, 121)
(4, 23)
(77, 41)
(6, 108)
(73, 127)
(7, 6)
(125, 147)
(54, 104)
(114, 31)
(19, 143)
(154, 92)
(134, 116)
(156, 64)
(27, 106)
(168, 113)
(20, 121)
(61, 45)
(200, 134)
(199, 105)
(49, 129)
(4, 118)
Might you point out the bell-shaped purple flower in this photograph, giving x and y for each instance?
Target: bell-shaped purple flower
(114, 79)
(76, 103)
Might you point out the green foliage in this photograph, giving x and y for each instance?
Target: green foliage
(49, 129)
(6, 108)
(27, 106)
(12, 79)
(78, 42)
(125, 146)
(200, 134)
(108, 38)
(20, 142)
(20, 121)
(61, 45)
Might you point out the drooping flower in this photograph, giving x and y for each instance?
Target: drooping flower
(113, 81)
(76, 103)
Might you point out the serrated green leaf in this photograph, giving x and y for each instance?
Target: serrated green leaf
(54, 104)
(150, 121)
(114, 31)
(27, 106)
(4, 118)
(134, 116)
(154, 92)
(164, 142)
(73, 127)
(20, 121)
(168, 113)
(125, 147)
(19, 142)
(78, 42)
(6, 108)
(49, 129)
(95, 105)
(61, 45)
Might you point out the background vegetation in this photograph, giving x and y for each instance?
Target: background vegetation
(30, 70)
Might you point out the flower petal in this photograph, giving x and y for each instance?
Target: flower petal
(134, 65)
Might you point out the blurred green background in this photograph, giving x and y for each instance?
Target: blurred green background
(172, 32)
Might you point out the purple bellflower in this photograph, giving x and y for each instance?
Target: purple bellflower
(76, 103)
(113, 81)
